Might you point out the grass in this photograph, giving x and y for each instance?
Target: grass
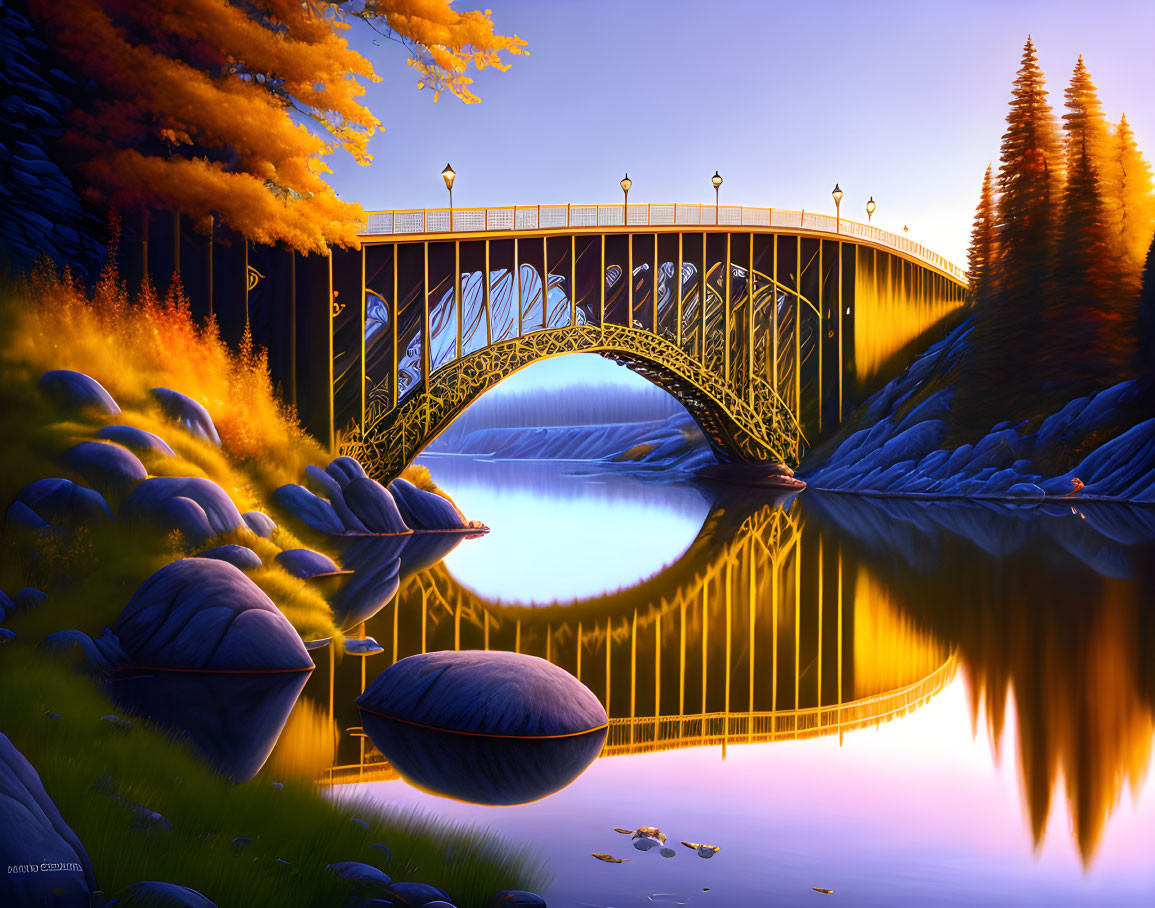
(76, 751)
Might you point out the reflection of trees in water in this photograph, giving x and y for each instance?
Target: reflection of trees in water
(1074, 644)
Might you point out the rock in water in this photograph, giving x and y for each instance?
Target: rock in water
(150, 501)
(374, 506)
(487, 728)
(59, 501)
(151, 894)
(106, 466)
(306, 563)
(261, 524)
(238, 556)
(43, 860)
(371, 882)
(424, 510)
(308, 508)
(491, 693)
(77, 391)
(205, 615)
(188, 413)
(136, 440)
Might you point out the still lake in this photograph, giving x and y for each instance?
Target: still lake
(916, 703)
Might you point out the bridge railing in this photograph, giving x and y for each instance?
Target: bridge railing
(563, 217)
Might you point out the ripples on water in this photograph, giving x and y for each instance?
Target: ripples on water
(923, 703)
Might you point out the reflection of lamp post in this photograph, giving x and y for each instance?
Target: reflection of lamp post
(626, 184)
(837, 209)
(448, 175)
(905, 229)
(716, 179)
(869, 209)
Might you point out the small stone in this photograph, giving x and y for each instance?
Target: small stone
(279, 786)
(515, 898)
(106, 466)
(117, 722)
(28, 599)
(260, 523)
(238, 556)
(136, 440)
(6, 635)
(306, 563)
(160, 895)
(368, 876)
(241, 842)
(416, 895)
(186, 411)
(366, 647)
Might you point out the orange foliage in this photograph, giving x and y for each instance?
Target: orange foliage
(196, 101)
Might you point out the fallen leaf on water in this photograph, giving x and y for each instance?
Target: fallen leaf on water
(823, 891)
(610, 859)
(624, 831)
(704, 851)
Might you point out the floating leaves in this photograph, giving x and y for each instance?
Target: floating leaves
(704, 851)
(610, 859)
(823, 891)
(624, 831)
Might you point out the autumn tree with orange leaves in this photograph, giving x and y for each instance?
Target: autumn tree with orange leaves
(227, 109)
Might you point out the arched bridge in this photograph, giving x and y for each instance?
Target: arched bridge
(764, 323)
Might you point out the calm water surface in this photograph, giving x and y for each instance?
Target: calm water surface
(905, 703)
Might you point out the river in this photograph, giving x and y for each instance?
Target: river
(915, 703)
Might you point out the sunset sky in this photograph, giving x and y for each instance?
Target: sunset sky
(900, 99)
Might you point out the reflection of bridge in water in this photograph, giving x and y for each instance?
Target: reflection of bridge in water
(764, 323)
(745, 638)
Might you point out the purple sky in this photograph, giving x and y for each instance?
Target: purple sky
(904, 101)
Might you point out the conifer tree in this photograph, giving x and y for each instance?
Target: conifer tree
(982, 257)
(1147, 326)
(1130, 198)
(1030, 182)
(1091, 320)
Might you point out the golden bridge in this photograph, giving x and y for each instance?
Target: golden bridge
(767, 324)
(746, 638)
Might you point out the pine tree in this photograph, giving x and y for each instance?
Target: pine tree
(1130, 198)
(983, 254)
(1091, 320)
(1030, 182)
(1147, 327)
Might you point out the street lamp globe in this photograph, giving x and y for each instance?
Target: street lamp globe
(716, 179)
(448, 175)
(870, 209)
(626, 183)
(837, 193)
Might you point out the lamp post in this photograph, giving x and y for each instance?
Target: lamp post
(837, 193)
(905, 229)
(716, 179)
(869, 209)
(448, 175)
(626, 184)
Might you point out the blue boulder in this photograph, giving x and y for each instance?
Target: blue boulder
(106, 466)
(370, 881)
(261, 524)
(306, 563)
(238, 556)
(374, 507)
(345, 470)
(424, 510)
(135, 439)
(77, 391)
(59, 501)
(150, 500)
(515, 898)
(205, 615)
(151, 894)
(311, 510)
(415, 895)
(188, 413)
(44, 862)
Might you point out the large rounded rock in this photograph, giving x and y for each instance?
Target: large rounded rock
(488, 693)
(150, 501)
(424, 510)
(371, 882)
(43, 860)
(238, 556)
(77, 391)
(106, 466)
(306, 563)
(136, 440)
(199, 614)
(151, 894)
(308, 508)
(57, 501)
(374, 507)
(188, 413)
(324, 484)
